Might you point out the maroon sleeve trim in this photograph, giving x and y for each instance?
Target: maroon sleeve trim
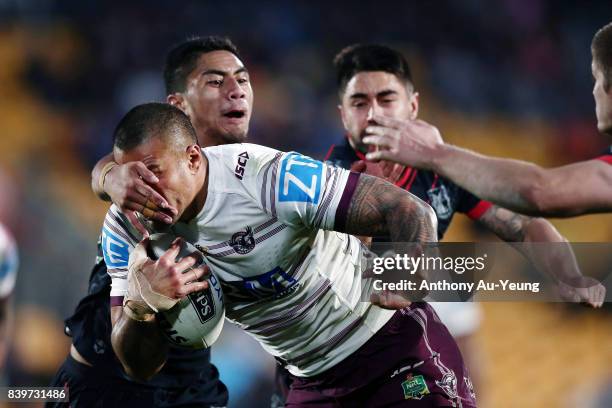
(607, 158)
(345, 201)
(116, 301)
(479, 209)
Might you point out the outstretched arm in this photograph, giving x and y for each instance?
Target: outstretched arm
(565, 191)
(558, 261)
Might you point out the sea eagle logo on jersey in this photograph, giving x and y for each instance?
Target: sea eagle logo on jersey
(300, 179)
(243, 241)
(115, 250)
(440, 201)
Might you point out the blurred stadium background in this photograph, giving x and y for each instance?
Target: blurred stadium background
(509, 77)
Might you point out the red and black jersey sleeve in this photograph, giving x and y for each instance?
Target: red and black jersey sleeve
(471, 205)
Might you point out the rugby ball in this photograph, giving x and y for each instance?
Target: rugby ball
(197, 319)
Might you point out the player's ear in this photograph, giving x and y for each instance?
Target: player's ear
(178, 100)
(194, 155)
(414, 105)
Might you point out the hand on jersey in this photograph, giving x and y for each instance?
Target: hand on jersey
(408, 142)
(156, 286)
(583, 289)
(129, 186)
(385, 170)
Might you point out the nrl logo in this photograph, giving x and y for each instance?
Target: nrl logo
(243, 241)
(415, 387)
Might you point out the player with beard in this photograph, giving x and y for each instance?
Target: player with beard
(375, 82)
(566, 191)
(205, 78)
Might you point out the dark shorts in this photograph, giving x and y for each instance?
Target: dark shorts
(412, 361)
(92, 387)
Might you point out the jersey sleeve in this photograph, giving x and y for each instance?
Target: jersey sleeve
(9, 263)
(119, 238)
(299, 190)
(606, 156)
(471, 205)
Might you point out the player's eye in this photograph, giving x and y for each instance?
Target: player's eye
(359, 104)
(243, 81)
(214, 82)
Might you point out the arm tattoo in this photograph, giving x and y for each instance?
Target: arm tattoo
(504, 223)
(379, 208)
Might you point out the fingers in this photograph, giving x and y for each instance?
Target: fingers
(381, 155)
(169, 257)
(383, 140)
(359, 166)
(150, 214)
(145, 174)
(389, 122)
(131, 215)
(188, 261)
(146, 196)
(194, 287)
(389, 300)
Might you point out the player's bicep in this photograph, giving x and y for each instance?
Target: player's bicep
(377, 205)
(578, 188)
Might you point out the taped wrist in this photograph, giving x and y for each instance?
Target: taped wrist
(139, 289)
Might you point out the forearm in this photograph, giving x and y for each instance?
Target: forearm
(140, 346)
(557, 259)
(506, 182)
(95, 177)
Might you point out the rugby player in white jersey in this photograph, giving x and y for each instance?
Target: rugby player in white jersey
(8, 275)
(274, 229)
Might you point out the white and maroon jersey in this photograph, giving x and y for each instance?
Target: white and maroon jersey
(9, 263)
(266, 231)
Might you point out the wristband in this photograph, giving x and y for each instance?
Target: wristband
(105, 170)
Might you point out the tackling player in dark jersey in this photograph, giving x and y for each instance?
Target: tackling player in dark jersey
(196, 72)
(375, 81)
(574, 189)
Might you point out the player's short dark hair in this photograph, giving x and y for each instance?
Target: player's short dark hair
(369, 57)
(149, 120)
(182, 59)
(601, 48)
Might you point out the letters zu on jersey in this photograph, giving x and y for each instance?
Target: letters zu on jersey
(300, 179)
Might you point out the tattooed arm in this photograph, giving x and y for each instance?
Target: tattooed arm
(378, 208)
(557, 260)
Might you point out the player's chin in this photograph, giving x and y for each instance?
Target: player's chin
(235, 134)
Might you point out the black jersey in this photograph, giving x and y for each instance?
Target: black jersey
(444, 196)
(90, 329)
